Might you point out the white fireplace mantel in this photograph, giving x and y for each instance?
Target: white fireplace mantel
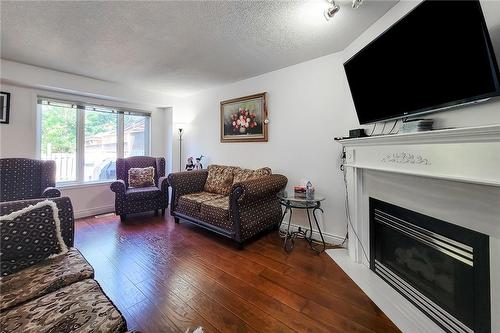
(469, 154)
(450, 174)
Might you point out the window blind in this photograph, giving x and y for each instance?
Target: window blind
(90, 107)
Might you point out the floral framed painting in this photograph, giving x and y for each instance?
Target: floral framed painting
(244, 119)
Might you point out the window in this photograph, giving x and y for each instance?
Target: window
(85, 140)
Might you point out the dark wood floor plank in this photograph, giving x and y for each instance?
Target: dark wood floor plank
(176, 310)
(252, 315)
(168, 277)
(149, 318)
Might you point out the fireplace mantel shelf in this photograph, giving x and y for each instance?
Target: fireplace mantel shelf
(470, 154)
(490, 133)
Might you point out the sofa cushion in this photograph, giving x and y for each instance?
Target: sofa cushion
(189, 204)
(220, 179)
(246, 174)
(141, 193)
(141, 177)
(43, 278)
(79, 307)
(29, 236)
(216, 212)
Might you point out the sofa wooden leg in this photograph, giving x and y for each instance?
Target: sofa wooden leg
(123, 217)
(176, 219)
(239, 246)
(156, 212)
(163, 212)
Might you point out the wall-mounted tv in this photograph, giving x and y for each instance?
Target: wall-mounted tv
(439, 55)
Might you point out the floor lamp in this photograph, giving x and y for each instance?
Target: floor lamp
(180, 149)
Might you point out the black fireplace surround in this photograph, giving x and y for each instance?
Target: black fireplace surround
(441, 268)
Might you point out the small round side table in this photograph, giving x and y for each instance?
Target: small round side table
(291, 202)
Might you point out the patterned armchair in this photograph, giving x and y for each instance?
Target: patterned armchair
(234, 202)
(130, 200)
(24, 178)
(56, 294)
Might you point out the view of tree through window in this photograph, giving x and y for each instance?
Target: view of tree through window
(64, 127)
(58, 140)
(100, 145)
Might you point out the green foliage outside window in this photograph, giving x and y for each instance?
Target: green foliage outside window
(58, 129)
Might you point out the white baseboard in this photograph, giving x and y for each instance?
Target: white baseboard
(329, 238)
(94, 211)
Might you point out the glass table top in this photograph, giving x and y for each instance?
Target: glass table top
(292, 198)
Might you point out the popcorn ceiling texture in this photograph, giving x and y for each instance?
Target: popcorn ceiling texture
(173, 46)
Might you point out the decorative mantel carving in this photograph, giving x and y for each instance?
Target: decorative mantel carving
(461, 154)
(403, 157)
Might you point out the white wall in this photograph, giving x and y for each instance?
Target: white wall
(18, 138)
(477, 115)
(309, 104)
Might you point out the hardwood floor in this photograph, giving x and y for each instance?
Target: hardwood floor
(167, 277)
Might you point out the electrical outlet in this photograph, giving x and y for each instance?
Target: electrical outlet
(349, 156)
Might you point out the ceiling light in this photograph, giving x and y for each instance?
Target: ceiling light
(356, 3)
(331, 11)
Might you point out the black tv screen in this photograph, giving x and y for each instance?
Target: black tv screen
(439, 55)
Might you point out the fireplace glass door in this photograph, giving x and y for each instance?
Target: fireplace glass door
(438, 266)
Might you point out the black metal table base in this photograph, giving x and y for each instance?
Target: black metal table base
(289, 237)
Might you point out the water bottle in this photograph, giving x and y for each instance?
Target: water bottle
(309, 191)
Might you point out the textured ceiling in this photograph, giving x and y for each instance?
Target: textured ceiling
(177, 47)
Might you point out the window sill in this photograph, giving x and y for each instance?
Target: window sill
(69, 186)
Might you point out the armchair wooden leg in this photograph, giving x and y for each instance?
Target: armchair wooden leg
(163, 212)
(123, 217)
(176, 219)
(156, 212)
(239, 246)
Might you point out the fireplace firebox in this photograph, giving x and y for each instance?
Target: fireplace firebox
(442, 268)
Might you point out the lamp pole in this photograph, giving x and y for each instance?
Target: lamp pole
(180, 149)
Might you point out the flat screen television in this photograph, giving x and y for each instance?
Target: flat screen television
(438, 56)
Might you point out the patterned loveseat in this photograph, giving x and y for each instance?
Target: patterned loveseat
(54, 295)
(234, 202)
(24, 178)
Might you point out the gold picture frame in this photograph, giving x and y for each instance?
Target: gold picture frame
(244, 119)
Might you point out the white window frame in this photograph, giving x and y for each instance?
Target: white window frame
(80, 136)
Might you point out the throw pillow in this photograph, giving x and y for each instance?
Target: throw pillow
(246, 174)
(219, 179)
(29, 236)
(141, 177)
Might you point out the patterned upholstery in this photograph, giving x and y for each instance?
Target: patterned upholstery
(43, 278)
(79, 307)
(246, 174)
(251, 207)
(220, 179)
(190, 204)
(23, 178)
(134, 200)
(65, 214)
(141, 177)
(216, 212)
(29, 236)
(57, 294)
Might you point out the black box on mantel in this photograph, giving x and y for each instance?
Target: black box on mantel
(357, 133)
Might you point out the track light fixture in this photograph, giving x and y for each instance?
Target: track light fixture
(331, 11)
(356, 3)
(334, 8)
